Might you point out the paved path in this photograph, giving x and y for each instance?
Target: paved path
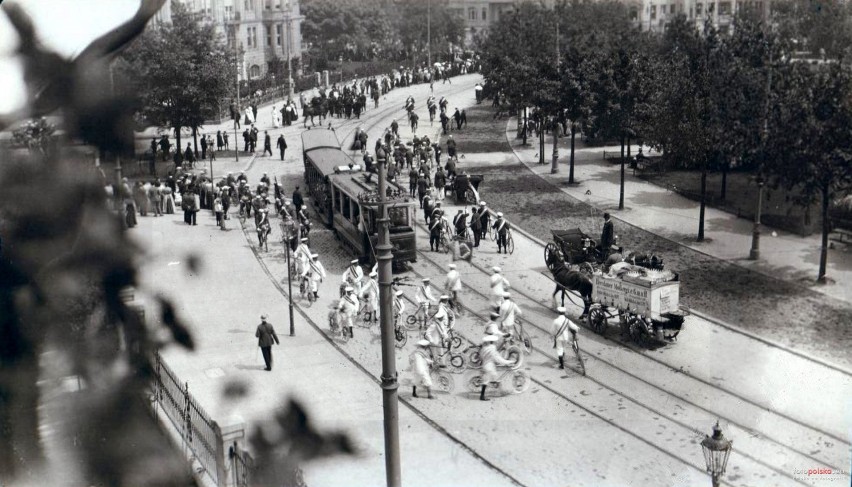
(782, 255)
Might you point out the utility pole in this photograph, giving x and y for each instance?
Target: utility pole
(389, 378)
(118, 186)
(754, 253)
(554, 166)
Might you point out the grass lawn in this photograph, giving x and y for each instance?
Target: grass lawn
(798, 317)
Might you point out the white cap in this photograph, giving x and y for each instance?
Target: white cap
(444, 297)
(499, 213)
(305, 239)
(489, 338)
(507, 295)
(560, 309)
(426, 279)
(349, 289)
(314, 256)
(423, 343)
(495, 269)
(398, 293)
(481, 203)
(354, 261)
(374, 273)
(452, 266)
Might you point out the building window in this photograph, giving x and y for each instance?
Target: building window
(248, 37)
(653, 12)
(254, 71)
(254, 36)
(268, 29)
(724, 8)
(634, 14)
(268, 4)
(698, 8)
(278, 30)
(484, 14)
(471, 14)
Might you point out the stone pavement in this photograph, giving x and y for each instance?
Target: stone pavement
(782, 255)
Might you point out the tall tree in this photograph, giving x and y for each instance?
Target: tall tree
(181, 71)
(810, 137)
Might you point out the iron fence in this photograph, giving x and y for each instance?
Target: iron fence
(197, 430)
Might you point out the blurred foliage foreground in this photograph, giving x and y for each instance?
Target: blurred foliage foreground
(64, 259)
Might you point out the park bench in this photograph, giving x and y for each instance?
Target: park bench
(648, 164)
(843, 229)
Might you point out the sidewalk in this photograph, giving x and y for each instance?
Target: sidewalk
(782, 255)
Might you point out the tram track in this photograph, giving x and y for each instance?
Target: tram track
(549, 357)
(547, 315)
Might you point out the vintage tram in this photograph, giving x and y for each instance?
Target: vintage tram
(345, 196)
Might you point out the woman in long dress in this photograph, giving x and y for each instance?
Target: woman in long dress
(168, 200)
(276, 117)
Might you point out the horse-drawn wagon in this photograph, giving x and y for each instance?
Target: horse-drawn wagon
(646, 302)
(575, 248)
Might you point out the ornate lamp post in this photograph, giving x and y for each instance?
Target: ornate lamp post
(716, 448)
(754, 254)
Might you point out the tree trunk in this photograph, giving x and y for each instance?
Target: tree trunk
(541, 139)
(195, 141)
(703, 201)
(724, 191)
(20, 449)
(524, 128)
(621, 190)
(826, 224)
(179, 149)
(571, 167)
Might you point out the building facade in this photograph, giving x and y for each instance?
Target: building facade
(655, 14)
(263, 32)
(478, 15)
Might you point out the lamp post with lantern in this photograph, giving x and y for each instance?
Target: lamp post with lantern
(716, 449)
(754, 254)
(289, 231)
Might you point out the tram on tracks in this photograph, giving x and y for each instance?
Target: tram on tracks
(346, 198)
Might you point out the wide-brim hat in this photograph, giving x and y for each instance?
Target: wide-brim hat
(426, 279)
(314, 256)
(444, 297)
(263, 317)
(495, 269)
(452, 266)
(499, 213)
(349, 289)
(398, 293)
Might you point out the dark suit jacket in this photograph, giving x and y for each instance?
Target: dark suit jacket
(607, 235)
(265, 335)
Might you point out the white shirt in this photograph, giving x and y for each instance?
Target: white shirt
(507, 313)
(499, 285)
(454, 281)
(424, 294)
(349, 304)
(316, 269)
(566, 334)
(353, 275)
(398, 305)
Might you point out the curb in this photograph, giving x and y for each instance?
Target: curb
(773, 343)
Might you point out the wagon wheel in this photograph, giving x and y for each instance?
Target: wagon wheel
(586, 269)
(597, 320)
(470, 196)
(638, 332)
(552, 255)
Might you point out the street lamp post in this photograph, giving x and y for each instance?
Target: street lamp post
(390, 386)
(754, 254)
(289, 58)
(239, 112)
(716, 449)
(554, 166)
(429, 33)
(290, 230)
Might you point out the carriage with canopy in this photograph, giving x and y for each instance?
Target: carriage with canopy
(575, 248)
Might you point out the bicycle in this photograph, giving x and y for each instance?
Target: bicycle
(262, 237)
(305, 291)
(399, 333)
(456, 359)
(576, 346)
(362, 320)
(337, 330)
(442, 381)
(510, 352)
(520, 380)
(510, 242)
(455, 303)
(524, 339)
(417, 320)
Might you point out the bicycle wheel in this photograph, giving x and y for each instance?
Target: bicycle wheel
(474, 360)
(510, 244)
(457, 361)
(526, 342)
(514, 354)
(443, 381)
(401, 337)
(520, 381)
(455, 342)
(576, 347)
(492, 234)
(475, 383)
(411, 322)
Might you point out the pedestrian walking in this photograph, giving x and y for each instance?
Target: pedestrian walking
(607, 235)
(298, 201)
(315, 274)
(267, 143)
(453, 284)
(266, 336)
(508, 312)
(219, 210)
(220, 141)
(370, 296)
(484, 218)
(420, 363)
(282, 145)
(347, 308)
(225, 139)
(564, 332)
(203, 147)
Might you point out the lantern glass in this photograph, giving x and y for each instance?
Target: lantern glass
(716, 451)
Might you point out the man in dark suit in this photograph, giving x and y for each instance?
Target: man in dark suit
(282, 145)
(267, 143)
(265, 337)
(607, 235)
(298, 201)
